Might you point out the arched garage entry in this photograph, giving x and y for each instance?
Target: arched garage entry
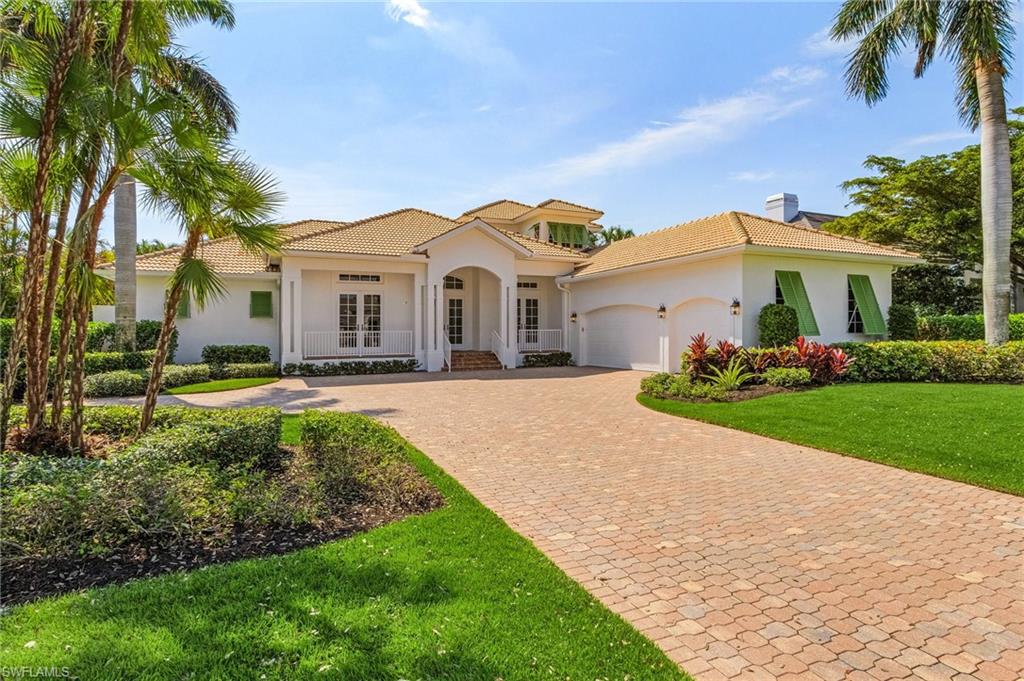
(691, 317)
(622, 337)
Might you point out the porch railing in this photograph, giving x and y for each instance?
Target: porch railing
(331, 344)
(540, 340)
(446, 347)
(498, 347)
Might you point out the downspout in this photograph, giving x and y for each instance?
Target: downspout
(565, 315)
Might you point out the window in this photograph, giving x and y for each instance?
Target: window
(791, 286)
(373, 278)
(261, 304)
(453, 283)
(855, 323)
(526, 284)
(779, 298)
(865, 315)
(570, 236)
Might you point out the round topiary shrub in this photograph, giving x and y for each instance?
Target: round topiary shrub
(902, 322)
(777, 325)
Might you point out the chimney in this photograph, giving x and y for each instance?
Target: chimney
(782, 207)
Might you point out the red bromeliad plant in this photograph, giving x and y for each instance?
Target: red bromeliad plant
(825, 363)
(698, 356)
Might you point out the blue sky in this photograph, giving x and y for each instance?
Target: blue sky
(655, 113)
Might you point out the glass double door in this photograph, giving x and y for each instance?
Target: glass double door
(528, 319)
(455, 321)
(359, 322)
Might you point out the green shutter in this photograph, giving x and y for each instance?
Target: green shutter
(183, 309)
(867, 304)
(261, 304)
(795, 295)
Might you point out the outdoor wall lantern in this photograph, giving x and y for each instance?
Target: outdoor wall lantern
(572, 318)
(661, 311)
(735, 308)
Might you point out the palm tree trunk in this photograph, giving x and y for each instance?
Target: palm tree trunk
(10, 376)
(76, 393)
(164, 340)
(35, 381)
(996, 202)
(125, 244)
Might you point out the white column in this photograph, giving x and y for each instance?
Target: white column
(509, 331)
(291, 317)
(435, 327)
(419, 297)
(544, 231)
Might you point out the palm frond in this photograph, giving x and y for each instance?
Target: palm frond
(198, 281)
(867, 67)
(200, 86)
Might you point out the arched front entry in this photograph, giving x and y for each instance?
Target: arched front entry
(622, 337)
(471, 310)
(695, 316)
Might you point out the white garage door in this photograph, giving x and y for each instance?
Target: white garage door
(622, 337)
(693, 317)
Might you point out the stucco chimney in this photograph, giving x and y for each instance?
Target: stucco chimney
(782, 207)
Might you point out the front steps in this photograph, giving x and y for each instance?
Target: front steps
(474, 360)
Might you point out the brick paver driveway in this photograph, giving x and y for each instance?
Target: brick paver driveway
(742, 557)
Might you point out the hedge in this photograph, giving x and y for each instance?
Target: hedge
(963, 327)
(236, 354)
(384, 366)
(902, 323)
(103, 362)
(777, 325)
(936, 361)
(548, 359)
(125, 383)
(99, 336)
(260, 370)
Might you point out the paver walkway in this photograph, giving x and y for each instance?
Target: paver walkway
(742, 557)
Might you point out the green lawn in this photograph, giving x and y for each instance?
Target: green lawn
(454, 594)
(221, 385)
(970, 433)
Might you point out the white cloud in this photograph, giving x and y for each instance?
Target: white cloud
(412, 13)
(694, 129)
(821, 44)
(937, 137)
(796, 76)
(484, 108)
(752, 175)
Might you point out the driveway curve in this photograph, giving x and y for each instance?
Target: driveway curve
(741, 556)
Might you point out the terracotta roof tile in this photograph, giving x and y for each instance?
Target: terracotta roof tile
(394, 233)
(503, 209)
(721, 231)
(559, 204)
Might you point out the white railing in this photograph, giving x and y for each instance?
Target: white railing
(327, 344)
(447, 348)
(540, 340)
(498, 347)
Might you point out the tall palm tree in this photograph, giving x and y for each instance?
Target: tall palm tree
(976, 35)
(213, 196)
(125, 247)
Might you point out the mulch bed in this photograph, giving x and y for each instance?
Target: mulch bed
(28, 579)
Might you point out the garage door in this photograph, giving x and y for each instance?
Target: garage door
(693, 317)
(622, 337)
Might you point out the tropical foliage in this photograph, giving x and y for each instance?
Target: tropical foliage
(977, 38)
(611, 234)
(92, 93)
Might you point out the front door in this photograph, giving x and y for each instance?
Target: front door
(528, 321)
(455, 325)
(359, 323)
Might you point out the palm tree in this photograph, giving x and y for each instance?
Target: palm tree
(125, 248)
(213, 196)
(613, 233)
(976, 35)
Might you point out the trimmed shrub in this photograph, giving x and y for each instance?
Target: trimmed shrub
(100, 336)
(936, 361)
(902, 322)
(351, 368)
(262, 370)
(115, 384)
(680, 386)
(548, 359)
(236, 354)
(102, 362)
(777, 325)
(175, 375)
(963, 327)
(787, 377)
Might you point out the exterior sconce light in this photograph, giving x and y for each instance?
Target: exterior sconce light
(661, 311)
(735, 308)
(572, 318)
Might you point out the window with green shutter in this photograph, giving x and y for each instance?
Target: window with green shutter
(791, 284)
(261, 304)
(866, 304)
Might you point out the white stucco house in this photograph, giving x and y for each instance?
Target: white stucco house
(508, 279)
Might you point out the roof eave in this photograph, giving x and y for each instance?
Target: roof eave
(895, 258)
(655, 264)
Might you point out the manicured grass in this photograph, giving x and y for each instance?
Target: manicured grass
(970, 433)
(221, 385)
(291, 429)
(454, 594)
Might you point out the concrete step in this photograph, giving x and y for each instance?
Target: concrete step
(474, 360)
